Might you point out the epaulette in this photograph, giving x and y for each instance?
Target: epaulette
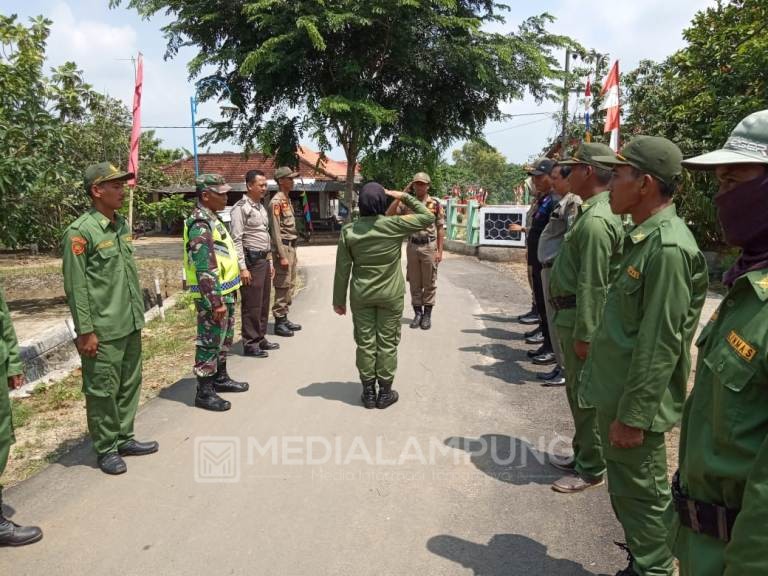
(76, 224)
(669, 236)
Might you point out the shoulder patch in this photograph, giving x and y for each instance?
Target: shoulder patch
(276, 209)
(741, 346)
(78, 245)
(669, 236)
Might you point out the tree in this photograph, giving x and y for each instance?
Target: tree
(366, 74)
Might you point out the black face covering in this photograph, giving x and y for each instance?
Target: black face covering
(373, 200)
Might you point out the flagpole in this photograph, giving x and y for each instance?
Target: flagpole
(566, 95)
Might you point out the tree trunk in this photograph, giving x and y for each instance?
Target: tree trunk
(349, 185)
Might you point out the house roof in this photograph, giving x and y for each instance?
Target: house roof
(233, 166)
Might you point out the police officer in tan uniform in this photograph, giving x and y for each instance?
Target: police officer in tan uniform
(284, 237)
(425, 251)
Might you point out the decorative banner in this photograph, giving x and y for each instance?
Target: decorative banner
(611, 104)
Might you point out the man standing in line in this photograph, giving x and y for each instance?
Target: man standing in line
(250, 231)
(102, 287)
(721, 490)
(637, 371)
(210, 262)
(284, 237)
(11, 376)
(587, 262)
(563, 217)
(424, 252)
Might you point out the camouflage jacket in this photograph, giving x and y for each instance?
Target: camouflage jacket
(202, 255)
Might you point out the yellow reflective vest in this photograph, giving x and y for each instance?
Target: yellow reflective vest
(226, 256)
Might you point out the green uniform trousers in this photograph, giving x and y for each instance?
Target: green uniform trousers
(6, 424)
(700, 555)
(377, 334)
(641, 499)
(587, 446)
(112, 387)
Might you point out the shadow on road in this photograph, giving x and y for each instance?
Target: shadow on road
(507, 459)
(347, 392)
(509, 366)
(183, 392)
(496, 318)
(504, 555)
(493, 333)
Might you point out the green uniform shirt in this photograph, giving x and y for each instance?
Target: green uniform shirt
(724, 442)
(9, 346)
(369, 249)
(100, 277)
(588, 260)
(640, 358)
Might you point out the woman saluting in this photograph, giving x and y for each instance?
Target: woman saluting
(369, 251)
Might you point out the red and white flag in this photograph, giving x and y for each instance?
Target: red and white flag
(610, 103)
(133, 159)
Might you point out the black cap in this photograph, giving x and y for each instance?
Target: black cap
(541, 167)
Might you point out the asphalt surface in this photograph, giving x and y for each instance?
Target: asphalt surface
(299, 479)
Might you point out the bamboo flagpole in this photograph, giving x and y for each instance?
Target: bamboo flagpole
(133, 159)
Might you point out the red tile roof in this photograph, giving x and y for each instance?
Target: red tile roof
(234, 165)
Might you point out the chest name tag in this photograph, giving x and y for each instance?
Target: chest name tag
(741, 346)
(105, 244)
(633, 272)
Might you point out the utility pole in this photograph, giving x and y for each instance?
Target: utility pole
(566, 96)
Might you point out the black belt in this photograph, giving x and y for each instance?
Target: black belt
(288, 242)
(422, 240)
(563, 302)
(703, 517)
(256, 254)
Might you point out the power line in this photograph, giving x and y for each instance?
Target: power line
(516, 126)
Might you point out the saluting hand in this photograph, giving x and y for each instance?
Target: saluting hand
(394, 194)
(622, 436)
(87, 344)
(15, 382)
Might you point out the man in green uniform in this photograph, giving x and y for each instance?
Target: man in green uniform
(12, 372)
(581, 273)
(424, 252)
(639, 362)
(722, 493)
(104, 297)
(369, 251)
(284, 237)
(213, 274)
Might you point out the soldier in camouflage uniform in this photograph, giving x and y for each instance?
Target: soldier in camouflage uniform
(213, 274)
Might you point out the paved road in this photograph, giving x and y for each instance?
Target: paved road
(451, 480)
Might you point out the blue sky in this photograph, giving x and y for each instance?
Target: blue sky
(100, 41)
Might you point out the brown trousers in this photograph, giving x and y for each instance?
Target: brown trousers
(285, 282)
(254, 304)
(422, 273)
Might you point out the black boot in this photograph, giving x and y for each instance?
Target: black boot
(223, 382)
(369, 393)
(418, 312)
(281, 327)
(206, 397)
(11, 534)
(426, 320)
(291, 325)
(387, 396)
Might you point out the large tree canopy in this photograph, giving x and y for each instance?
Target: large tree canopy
(369, 74)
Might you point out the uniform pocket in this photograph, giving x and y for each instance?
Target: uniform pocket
(107, 252)
(100, 376)
(731, 375)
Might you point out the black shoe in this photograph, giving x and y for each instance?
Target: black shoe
(281, 328)
(265, 344)
(291, 325)
(530, 318)
(537, 338)
(426, 320)
(533, 332)
(418, 312)
(540, 350)
(554, 373)
(544, 359)
(112, 463)
(11, 534)
(369, 393)
(554, 382)
(255, 353)
(223, 382)
(387, 396)
(531, 312)
(206, 397)
(136, 448)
